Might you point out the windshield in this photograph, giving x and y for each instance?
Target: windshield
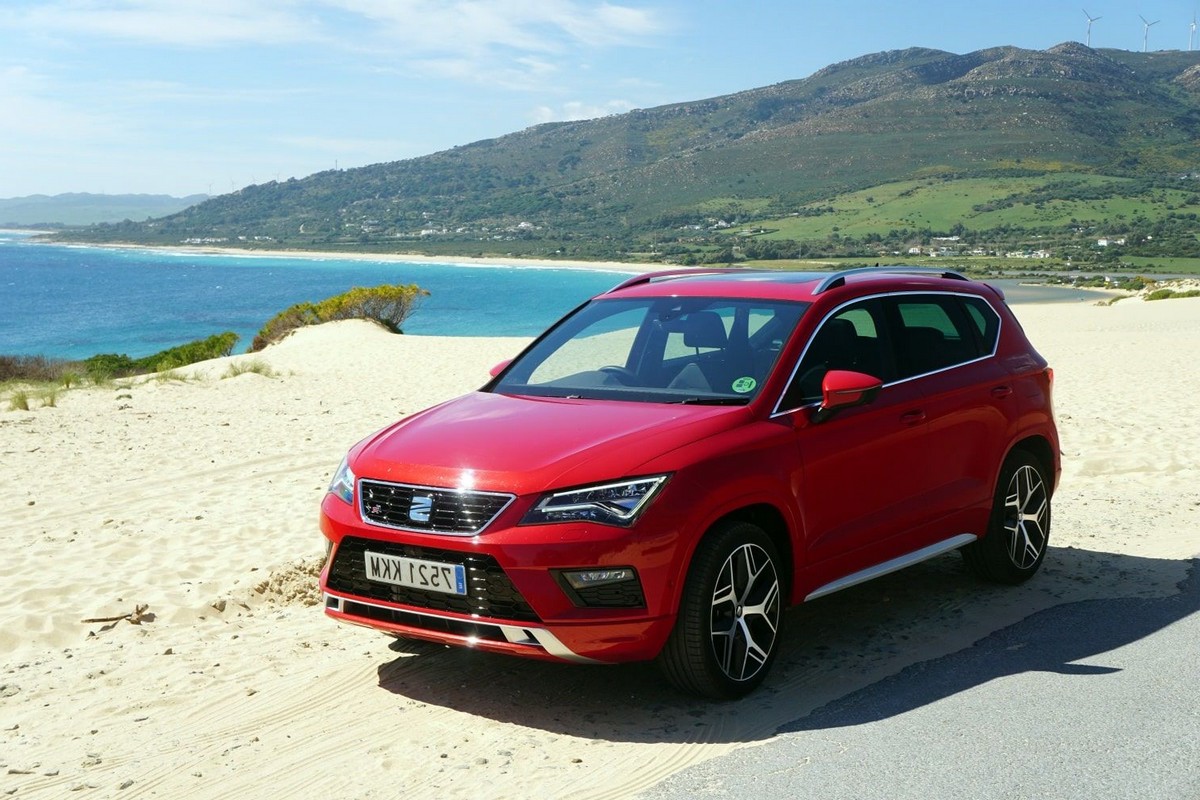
(657, 350)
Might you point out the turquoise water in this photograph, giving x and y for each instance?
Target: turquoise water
(73, 302)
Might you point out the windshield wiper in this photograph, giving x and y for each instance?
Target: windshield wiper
(710, 401)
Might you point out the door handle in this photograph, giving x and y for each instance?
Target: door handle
(1001, 392)
(912, 417)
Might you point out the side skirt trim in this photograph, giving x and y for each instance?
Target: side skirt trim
(896, 564)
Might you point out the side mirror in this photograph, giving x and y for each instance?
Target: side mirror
(843, 388)
(503, 365)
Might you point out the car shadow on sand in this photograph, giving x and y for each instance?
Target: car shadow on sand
(861, 655)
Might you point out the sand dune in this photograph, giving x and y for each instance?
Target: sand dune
(196, 499)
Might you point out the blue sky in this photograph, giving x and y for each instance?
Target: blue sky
(205, 96)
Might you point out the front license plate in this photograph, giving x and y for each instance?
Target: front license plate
(414, 573)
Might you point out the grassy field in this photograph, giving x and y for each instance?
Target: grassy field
(1167, 266)
(978, 204)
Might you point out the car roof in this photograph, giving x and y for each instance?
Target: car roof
(779, 284)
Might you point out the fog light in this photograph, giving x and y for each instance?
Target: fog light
(586, 578)
(602, 587)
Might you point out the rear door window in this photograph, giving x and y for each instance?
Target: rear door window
(935, 332)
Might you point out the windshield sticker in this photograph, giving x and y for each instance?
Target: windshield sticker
(744, 385)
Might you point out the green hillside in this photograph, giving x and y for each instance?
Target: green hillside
(913, 143)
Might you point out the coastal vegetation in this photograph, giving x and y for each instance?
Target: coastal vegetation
(37, 378)
(1171, 294)
(389, 305)
(114, 365)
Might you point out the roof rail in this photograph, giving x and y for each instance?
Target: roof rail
(839, 278)
(667, 274)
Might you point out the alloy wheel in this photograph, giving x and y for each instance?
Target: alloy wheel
(1026, 517)
(745, 612)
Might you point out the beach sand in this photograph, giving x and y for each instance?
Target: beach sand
(195, 501)
(402, 258)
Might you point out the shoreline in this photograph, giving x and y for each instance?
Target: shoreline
(622, 267)
(632, 268)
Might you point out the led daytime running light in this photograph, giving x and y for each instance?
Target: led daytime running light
(617, 503)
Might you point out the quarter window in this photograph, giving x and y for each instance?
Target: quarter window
(985, 320)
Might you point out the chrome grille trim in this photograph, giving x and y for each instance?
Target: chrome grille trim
(451, 512)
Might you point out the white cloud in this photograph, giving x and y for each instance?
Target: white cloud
(576, 110)
(474, 26)
(187, 23)
(507, 44)
(520, 74)
(144, 95)
(409, 27)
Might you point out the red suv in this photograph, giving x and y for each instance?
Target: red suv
(674, 463)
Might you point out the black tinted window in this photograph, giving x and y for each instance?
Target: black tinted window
(933, 333)
(850, 340)
(985, 320)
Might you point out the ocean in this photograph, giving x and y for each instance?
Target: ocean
(73, 302)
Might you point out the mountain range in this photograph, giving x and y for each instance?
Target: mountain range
(81, 208)
(612, 185)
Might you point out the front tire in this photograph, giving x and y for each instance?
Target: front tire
(1019, 528)
(728, 629)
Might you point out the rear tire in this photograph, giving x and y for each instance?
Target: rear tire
(1019, 528)
(730, 614)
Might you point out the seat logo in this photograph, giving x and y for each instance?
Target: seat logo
(420, 508)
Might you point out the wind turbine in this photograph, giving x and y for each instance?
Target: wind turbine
(1146, 31)
(1090, 19)
(1192, 32)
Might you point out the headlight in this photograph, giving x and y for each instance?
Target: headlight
(342, 484)
(618, 503)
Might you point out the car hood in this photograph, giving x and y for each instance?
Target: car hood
(521, 444)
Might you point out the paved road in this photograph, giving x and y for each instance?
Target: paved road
(1085, 701)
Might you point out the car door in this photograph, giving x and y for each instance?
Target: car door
(945, 347)
(864, 469)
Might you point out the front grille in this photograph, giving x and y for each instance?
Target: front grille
(429, 509)
(490, 593)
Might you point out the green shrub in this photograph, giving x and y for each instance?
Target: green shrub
(390, 305)
(49, 398)
(1171, 294)
(106, 366)
(217, 346)
(109, 365)
(18, 400)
